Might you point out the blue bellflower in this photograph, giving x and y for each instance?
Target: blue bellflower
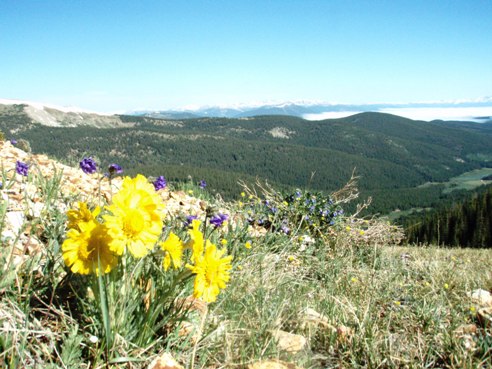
(219, 219)
(115, 169)
(189, 220)
(160, 183)
(88, 165)
(21, 168)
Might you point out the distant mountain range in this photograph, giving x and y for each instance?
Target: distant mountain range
(479, 110)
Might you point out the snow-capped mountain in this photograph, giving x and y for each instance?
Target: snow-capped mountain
(475, 110)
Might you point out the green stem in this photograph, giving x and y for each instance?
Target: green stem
(103, 303)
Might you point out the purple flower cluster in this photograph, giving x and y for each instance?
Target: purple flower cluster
(21, 168)
(13, 141)
(115, 169)
(202, 184)
(160, 183)
(88, 165)
(189, 220)
(219, 219)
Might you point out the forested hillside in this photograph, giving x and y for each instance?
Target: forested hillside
(467, 223)
(393, 156)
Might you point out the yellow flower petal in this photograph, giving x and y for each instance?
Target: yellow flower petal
(212, 273)
(87, 249)
(173, 247)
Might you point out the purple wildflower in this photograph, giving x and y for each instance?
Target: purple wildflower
(285, 229)
(88, 165)
(219, 219)
(202, 184)
(115, 169)
(21, 168)
(160, 183)
(13, 141)
(189, 220)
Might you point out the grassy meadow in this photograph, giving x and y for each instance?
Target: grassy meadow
(297, 280)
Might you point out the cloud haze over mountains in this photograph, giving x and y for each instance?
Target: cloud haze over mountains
(479, 110)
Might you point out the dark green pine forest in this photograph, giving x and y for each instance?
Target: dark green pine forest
(467, 223)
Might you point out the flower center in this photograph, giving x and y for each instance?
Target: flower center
(96, 241)
(133, 223)
(211, 275)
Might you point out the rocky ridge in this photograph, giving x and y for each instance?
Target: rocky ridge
(25, 205)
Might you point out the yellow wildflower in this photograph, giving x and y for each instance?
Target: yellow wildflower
(247, 244)
(136, 217)
(347, 228)
(223, 242)
(196, 242)
(212, 272)
(190, 192)
(82, 214)
(173, 248)
(361, 232)
(243, 194)
(87, 249)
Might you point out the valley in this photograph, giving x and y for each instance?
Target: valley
(395, 158)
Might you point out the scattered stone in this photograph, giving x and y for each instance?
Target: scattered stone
(289, 342)
(481, 297)
(467, 333)
(196, 312)
(312, 319)
(466, 329)
(14, 221)
(272, 364)
(344, 334)
(484, 316)
(165, 361)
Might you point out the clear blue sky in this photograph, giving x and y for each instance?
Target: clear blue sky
(122, 55)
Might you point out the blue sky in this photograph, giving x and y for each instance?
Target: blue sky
(122, 55)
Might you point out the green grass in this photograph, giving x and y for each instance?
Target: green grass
(468, 180)
(379, 305)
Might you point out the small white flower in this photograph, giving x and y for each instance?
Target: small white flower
(93, 339)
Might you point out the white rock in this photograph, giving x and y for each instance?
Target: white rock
(290, 342)
(481, 297)
(15, 220)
